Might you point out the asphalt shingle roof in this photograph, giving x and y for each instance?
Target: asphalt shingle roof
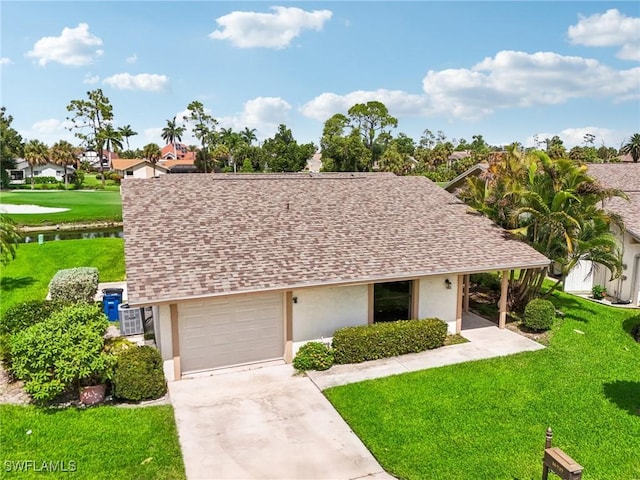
(625, 177)
(203, 235)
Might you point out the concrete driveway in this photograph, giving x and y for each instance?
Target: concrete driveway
(265, 423)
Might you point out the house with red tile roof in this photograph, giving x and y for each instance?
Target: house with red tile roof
(625, 177)
(177, 151)
(243, 268)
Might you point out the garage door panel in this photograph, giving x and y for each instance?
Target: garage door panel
(230, 331)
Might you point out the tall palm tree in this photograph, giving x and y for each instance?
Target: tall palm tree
(63, 153)
(126, 132)
(152, 153)
(9, 237)
(35, 153)
(171, 133)
(632, 147)
(111, 139)
(249, 135)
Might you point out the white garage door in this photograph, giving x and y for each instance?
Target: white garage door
(230, 331)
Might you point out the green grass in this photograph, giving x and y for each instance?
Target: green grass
(28, 276)
(84, 206)
(94, 181)
(487, 419)
(104, 442)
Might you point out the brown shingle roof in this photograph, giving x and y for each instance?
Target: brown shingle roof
(625, 177)
(200, 235)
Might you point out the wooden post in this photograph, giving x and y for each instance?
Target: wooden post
(547, 444)
(370, 305)
(459, 305)
(175, 340)
(288, 327)
(504, 291)
(465, 306)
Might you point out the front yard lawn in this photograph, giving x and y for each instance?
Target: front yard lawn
(104, 442)
(487, 419)
(85, 206)
(28, 276)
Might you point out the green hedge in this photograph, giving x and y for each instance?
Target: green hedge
(139, 374)
(382, 340)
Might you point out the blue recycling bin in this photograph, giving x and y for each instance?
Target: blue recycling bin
(111, 300)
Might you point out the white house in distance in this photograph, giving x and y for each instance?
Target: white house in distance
(22, 173)
(136, 168)
(625, 177)
(244, 268)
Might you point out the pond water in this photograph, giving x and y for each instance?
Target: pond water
(53, 236)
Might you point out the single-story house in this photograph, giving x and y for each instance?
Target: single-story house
(136, 168)
(244, 268)
(625, 177)
(22, 173)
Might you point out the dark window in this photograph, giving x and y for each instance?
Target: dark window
(392, 301)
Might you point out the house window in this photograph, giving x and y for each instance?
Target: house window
(17, 175)
(129, 173)
(392, 301)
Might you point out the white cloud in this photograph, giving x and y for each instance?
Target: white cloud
(609, 29)
(50, 131)
(153, 135)
(5, 61)
(75, 46)
(144, 81)
(268, 30)
(262, 113)
(90, 79)
(132, 59)
(519, 79)
(397, 102)
(572, 137)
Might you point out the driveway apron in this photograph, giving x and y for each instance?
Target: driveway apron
(265, 423)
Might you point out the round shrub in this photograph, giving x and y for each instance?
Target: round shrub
(313, 356)
(139, 375)
(539, 314)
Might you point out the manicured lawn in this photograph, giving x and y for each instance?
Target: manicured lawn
(83, 205)
(487, 419)
(104, 442)
(28, 276)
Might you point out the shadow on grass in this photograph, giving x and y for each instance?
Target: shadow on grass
(631, 322)
(626, 395)
(10, 283)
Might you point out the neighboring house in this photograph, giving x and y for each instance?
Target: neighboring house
(461, 180)
(136, 168)
(91, 156)
(179, 166)
(180, 152)
(314, 164)
(22, 172)
(260, 263)
(459, 155)
(625, 177)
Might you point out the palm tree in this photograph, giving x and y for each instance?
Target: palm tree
(152, 153)
(249, 135)
(63, 153)
(171, 133)
(632, 147)
(111, 138)
(35, 153)
(9, 237)
(126, 132)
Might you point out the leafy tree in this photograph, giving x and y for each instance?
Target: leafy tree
(632, 147)
(247, 167)
(126, 132)
(111, 139)
(63, 153)
(285, 155)
(555, 147)
(11, 146)
(137, 153)
(152, 152)
(89, 118)
(371, 119)
(392, 160)
(35, 153)
(203, 125)
(9, 238)
(404, 144)
(342, 151)
(172, 133)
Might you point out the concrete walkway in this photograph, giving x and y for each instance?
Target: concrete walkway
(485, 341)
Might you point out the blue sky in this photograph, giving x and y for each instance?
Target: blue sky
(505, 70)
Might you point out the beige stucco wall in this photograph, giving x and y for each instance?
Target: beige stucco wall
(435, 300)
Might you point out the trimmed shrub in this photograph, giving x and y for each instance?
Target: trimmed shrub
(139, 375)
(381, 340)
(23, 315)
(64, 350)
(539, 314)
(75, 284)
(313, 356)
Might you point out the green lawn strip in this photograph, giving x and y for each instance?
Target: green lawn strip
(487, 419)
(104, 442)
(28, 276)
(83, 205)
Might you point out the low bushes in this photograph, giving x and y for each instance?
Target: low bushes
(139, 375)
(62, 351)
(381, 340)
(539, 314)
(313, 356)
(74, 284)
